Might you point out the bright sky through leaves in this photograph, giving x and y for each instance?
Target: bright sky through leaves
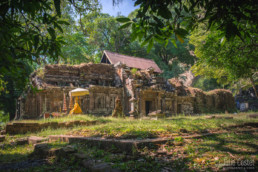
(125, 7)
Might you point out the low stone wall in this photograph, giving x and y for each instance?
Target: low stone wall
(219, 100)
(22, 127)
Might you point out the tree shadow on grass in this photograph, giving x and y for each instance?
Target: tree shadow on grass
(223, 142)
(19, 157)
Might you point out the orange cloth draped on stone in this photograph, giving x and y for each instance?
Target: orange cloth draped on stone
(76, 109)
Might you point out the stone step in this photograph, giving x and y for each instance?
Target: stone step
(36, 139)
(128, 146)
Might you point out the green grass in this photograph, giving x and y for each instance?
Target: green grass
(67, 118)
(127, 128)
(141, 128)
(214, 151)
(208, 153)
(13, 153)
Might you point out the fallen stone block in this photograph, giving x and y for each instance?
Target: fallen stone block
(76, 122)
(83, 123)
(65, 151)
(88, 163)
(58, 138)
(35, 139)
(3, 132)
(9, 129)
(80, 155)
(2, 138)
(128, 146)
(69, 124)
(22, 141)
(44, 125)
(62, 124)
(224, 117)
(209, 117)
(101, 167)
(41, 150)
(253, 116)
(54, 151)
(53, 124)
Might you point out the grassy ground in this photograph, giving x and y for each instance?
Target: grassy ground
(211, 153)
(67, 119)
(128, 128)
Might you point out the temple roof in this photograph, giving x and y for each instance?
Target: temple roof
(130, 61)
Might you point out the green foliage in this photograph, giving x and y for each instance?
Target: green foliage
(179, 139)
(77, 50)
(123, 19)
(31, 34)
(133, 71)
(103, 33)
(173, 19)
(207, 84)
(3, 118)
(227, 62)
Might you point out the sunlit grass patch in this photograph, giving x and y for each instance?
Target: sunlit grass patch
(13, 153)
(127, 128)
(67, 118)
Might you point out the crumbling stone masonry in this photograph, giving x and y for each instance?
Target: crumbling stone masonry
(140, 92)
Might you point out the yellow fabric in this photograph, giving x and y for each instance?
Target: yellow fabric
(76, 109)
(79, 93)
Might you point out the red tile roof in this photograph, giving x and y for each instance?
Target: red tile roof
(132, 62)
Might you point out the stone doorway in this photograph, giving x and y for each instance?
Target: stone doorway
(179, 108)
(147, 107)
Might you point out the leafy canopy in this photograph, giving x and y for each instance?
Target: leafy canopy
(174, 19)
(228, 62)
(29, 32)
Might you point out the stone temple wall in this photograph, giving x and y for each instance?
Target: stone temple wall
(101, 100)
(141, 92)
(219, 100)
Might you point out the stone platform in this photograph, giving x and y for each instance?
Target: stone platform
(124, 145)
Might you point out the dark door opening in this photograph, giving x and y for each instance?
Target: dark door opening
(179, 108)
(147, 107)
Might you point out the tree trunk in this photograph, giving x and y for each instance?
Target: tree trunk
(254, 87)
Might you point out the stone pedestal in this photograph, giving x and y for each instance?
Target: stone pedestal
(134, 108)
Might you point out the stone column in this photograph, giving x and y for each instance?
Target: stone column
(91, 107)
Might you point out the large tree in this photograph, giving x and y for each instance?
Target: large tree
(102, 31)
(30, 31)
(228, 61)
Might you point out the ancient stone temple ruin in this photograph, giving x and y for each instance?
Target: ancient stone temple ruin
(135, 81)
